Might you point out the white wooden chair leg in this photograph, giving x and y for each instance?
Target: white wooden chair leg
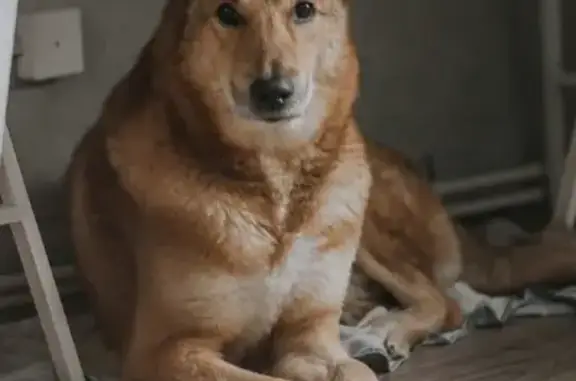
(565, 209)
(554, 130)
(37, 269)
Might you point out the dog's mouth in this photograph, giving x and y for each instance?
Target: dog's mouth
(285, 115)
(277, 118)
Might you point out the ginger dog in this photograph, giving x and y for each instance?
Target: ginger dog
(218, 202)
(409, 250)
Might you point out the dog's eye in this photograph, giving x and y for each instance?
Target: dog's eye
(304, 11)
(229, 16)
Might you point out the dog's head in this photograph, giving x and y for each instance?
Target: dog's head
(269, 70)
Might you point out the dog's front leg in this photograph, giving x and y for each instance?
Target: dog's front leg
(308, 348)
(187, 359)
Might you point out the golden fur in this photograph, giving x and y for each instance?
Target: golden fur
(205, 235)
(547, 258)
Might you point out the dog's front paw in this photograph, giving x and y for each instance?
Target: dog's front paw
(351, 370)
(390, 329)
(302, 368)
(396, 347)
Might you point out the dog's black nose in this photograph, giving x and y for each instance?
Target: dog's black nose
(271, 94)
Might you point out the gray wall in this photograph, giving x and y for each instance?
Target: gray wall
(570, 56)
(444, 77)
(441, 77)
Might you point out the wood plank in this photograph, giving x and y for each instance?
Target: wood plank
(525, 350)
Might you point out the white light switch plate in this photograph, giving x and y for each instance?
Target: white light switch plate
(51, 44)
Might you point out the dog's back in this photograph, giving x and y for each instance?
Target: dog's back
(403, 206)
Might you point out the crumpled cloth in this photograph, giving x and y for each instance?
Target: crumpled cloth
(480, 311)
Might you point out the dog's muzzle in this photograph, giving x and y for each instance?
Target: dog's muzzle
(271, 97)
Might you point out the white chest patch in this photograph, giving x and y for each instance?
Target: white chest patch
(308, 273)
(298, 261)
(305, 273)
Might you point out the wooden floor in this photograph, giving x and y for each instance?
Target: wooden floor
(542, 349)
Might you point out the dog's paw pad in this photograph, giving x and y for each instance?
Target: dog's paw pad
(395, 351)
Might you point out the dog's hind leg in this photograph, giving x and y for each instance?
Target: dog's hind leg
(426, 305)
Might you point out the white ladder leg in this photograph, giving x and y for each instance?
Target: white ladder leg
(565, 208)
(37, 268)
(553, 102)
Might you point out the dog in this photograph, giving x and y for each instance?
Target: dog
(410, 255)
(218, 203)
